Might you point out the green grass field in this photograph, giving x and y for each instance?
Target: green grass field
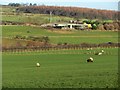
(35, 18)
(9, 14)
(57, 36)
(60, 69)
(7, 9)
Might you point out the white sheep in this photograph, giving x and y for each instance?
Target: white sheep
(102, 51)
(37, 64)
(91, 48)
(90, 59)
(88, 49)
(99, 53)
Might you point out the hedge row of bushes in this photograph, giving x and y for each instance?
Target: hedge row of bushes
(33, 38)
(11, 23)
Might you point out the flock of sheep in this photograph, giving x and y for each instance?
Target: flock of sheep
(98, 53)
(88, 60)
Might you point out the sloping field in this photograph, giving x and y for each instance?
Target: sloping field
(34, 18)
(74, 37)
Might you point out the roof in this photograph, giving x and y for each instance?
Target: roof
(68, 25)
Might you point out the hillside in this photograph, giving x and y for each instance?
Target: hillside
(75, 12)
(10, 16)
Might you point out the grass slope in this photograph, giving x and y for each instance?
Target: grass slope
(34, 18)
(74, 37)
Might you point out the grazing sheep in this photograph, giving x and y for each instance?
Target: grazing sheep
(37, 64)
(90, 59)
(91, 48)
(102, 51)
(99, 53)
(88, 49)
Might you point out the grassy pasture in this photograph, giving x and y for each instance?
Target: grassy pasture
(74, 37)
(60, 68)
(78, 40)
(9, 14)
(37, 31)
(7, 9)
(34, 18)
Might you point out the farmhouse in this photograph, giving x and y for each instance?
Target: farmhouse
(71, 26)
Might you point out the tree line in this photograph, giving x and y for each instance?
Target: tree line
(23, 4)
(75, 12)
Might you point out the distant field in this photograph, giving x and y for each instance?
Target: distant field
(9, 14)
(37, 31)
(60, 69)
(34, 18)
(74, 37)
(7, 9)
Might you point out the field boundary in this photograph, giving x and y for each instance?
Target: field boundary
(62, 51)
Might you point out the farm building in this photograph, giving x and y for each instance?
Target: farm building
(71, 26)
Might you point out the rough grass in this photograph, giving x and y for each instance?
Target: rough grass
(60, 70)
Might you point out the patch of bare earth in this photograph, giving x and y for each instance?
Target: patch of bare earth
(61, 31)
